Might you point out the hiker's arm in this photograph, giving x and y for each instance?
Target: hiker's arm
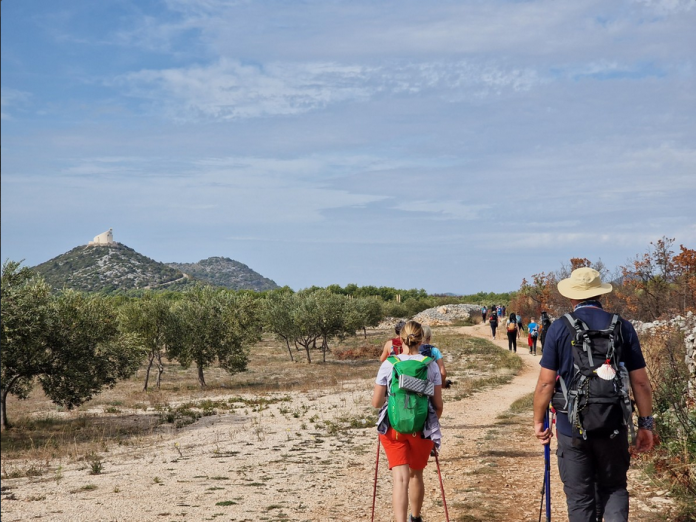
(437, 400)
(378, 395)
(642, 392)
(441, 365)
(542, 397)
(385, 351)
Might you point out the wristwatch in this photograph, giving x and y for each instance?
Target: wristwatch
(646, 423)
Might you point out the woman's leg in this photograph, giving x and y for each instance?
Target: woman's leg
(514, 342)
(416, 491)
(400, 478)
(510, 338)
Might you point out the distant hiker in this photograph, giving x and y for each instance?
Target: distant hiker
(533, 330)
(592, 426)
(493, 321)
(393, 346)
(512, 328)
(415, 413)
(520, 325)
(429, 350)
(545, 323)
(499, 311)
(484, 311)
(503, 309)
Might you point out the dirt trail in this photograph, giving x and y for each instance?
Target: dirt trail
(281, 462)
(491, 471)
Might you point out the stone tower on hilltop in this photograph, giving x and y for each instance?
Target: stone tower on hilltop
(103, 239)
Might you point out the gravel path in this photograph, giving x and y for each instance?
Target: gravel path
(279, 463)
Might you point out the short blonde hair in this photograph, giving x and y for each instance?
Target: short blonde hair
(412, 334)
(427, 332)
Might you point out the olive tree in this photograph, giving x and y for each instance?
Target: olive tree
(331, 317)
(363, 313)
(151, 319)
(25, 320)
(306, 317)
(70, 343)
(215, 325)
(278, 317)
(86, 351)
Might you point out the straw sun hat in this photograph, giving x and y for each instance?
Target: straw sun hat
(583, 283)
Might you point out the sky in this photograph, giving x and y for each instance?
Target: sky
(454, 146)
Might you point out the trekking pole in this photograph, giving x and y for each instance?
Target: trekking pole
(374, 490)
(547, 469)
(546, 487)
(442, 487)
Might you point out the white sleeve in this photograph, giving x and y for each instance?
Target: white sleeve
(384, 373)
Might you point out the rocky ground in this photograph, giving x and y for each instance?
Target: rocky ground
(307, 457)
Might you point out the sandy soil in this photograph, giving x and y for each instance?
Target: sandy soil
(279, 463)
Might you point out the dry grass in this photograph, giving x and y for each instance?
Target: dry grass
(126, 415)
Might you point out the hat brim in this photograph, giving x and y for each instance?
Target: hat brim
(566, 289)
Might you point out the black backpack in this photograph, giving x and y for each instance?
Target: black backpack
(594, 405)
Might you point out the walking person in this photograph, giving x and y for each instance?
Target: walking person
(512, 331)
(393, 346)
(593, 447)
(484, 311)
(408, 453)
(520, 325)
(429, 350)
(545, 324)
(493, 321)
(533, 330)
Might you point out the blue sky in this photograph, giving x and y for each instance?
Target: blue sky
(450, 146)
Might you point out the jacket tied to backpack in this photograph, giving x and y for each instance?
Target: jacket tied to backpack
(408, 408)
(596, 399)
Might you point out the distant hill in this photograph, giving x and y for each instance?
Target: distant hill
(109, 268)
(223, 271)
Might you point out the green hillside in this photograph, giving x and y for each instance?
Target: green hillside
(223, 271)
(108, 268)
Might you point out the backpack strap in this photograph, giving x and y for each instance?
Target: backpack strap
(616, 338)
(578, 331)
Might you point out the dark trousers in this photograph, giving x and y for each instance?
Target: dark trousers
(533, 347)
(512, 341)
(593, 472)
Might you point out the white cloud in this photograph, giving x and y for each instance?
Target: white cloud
(444, 210)
(666, 7)
(11, 98)
(229, 90)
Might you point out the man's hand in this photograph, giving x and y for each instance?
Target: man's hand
(644, 440)
(544, 435)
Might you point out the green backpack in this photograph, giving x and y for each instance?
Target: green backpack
(409, 392)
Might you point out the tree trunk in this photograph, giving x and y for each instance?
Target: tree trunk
(324, 347)
(160, 370)
(3, 414)
(201, 379)
(150, 358)
(309, 359)
(365, 332)
(289, 350)
(3, 403)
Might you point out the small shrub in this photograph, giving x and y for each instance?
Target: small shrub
(365, 351)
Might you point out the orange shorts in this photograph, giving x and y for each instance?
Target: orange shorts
(411, 449)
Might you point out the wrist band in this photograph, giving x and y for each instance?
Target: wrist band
(646, 423)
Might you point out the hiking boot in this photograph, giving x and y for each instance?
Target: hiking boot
(411, 518)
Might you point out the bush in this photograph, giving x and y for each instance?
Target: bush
(674, 460)
(365, 351)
